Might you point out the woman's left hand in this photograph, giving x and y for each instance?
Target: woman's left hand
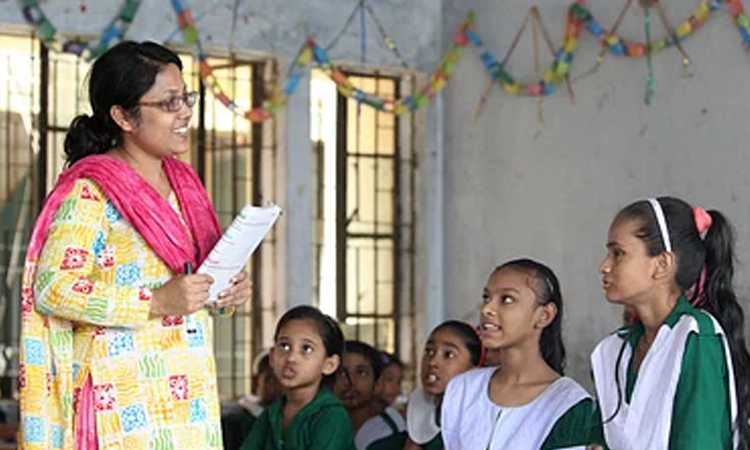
(237, 294)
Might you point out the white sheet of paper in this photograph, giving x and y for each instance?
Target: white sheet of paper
(234, 248)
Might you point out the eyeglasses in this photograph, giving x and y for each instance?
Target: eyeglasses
(175, 103)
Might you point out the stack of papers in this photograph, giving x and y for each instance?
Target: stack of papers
(234, 248)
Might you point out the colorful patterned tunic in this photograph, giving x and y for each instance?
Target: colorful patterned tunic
(154, 379)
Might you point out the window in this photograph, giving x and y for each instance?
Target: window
(234, 157)
(365, 166)
(19, 117)
(237, 159)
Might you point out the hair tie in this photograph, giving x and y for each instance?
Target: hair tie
(697, 292)
(702, 218)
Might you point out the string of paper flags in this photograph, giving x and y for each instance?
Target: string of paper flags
(579, 18)
(47, 32)
(310, 52)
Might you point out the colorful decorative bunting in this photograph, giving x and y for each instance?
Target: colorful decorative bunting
(312, 52)
(578, 18)
(552, 76)
(437, 82)
(47, 32)
(621, 47)
(279, 98)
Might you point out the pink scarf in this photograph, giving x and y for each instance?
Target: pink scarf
(160, 226)
(147, 211)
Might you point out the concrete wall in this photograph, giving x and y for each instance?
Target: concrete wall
(514, 187)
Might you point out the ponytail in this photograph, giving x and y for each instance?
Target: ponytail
(721, 302)
(88, 136)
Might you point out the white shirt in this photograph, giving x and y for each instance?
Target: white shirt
(420, 417)
(471, 421)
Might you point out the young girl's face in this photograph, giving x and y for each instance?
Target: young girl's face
(388, 387)
(445, 356)
(627, 270)
(512, 312)
(355, 384)
(299, 357)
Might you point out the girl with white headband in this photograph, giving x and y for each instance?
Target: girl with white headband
(679, 376)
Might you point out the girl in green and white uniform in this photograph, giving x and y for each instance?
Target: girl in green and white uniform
(678, 378)
(452, 348)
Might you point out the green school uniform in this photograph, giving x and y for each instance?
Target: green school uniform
(395, 441)
(580, 425)
(322, 424)
(701, 410)
(236, 423)
(435, 444)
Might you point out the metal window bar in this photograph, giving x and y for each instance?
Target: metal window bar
(66, 97)
(370, 218)
(266, 309)
(256, 262)
(233, 160)
(19, 122)
(407, 210)
(318, 148)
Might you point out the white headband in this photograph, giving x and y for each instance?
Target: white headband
(656, 206)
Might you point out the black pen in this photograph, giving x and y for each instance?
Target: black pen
(190, 324)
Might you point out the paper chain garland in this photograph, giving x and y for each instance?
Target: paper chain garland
(190, 34)
(310, 52)
(578, 18)
(437, 83)
(47, 32)
(621, 47)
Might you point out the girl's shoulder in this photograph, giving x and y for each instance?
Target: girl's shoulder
(563, 394)
(569, 386)
(700, 321)
(469, 389)
(326, 410)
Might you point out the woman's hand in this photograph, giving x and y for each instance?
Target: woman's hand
(237, 294)
(181, 296)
